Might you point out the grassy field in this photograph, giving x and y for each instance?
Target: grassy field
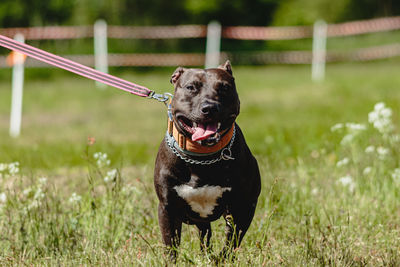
(330, 196)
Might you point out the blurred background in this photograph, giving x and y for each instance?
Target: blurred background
(24, 13)
(269, 42)
(34, 13)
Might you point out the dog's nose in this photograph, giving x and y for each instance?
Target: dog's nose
(208, 108)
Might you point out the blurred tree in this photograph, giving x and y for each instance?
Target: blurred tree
(303, 12)
(17, 13)
(364, 9)
(128, 12)
(232, 12)
(145, 12)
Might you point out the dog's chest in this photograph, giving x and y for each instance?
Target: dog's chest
(201, 199)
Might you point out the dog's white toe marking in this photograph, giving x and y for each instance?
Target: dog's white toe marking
(201, 199)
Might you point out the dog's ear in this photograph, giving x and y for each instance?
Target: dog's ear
(226, 67)
(177, 73)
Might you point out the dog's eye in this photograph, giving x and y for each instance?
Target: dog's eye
(190, 87)
(223, 87)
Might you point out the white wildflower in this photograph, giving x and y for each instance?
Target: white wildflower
(3, 167)
(370, 149)
(396, 175)
(3, 197)
(395, 138)
(75, 198)
(382, 152)
(13, 168)
(342, 162)
(39, 194)
(347, 181)
(110, 175)
(102, 159)
(352, 130)
(351, 126)
(337, 127)
(367, 170)
(347, 139)
(379, 106)
(314, 191)
(42, 180)
(27, 191)
(10, 169)
(381, 118)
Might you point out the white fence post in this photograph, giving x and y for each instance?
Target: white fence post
(319, 51)
(100, 49)
(17, 60)
(213, 44)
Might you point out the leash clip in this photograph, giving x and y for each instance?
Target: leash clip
(160, 97)
(226, 154)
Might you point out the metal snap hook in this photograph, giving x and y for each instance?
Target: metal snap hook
(226, 154)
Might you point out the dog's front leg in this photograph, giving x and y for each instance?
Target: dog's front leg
(237, 224)
(170, 229)
(205, 235)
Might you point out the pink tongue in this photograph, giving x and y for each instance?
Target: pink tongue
(202, 132)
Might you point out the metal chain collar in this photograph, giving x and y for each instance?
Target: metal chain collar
(226, 153)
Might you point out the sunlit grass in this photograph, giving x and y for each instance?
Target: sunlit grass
(327, 198)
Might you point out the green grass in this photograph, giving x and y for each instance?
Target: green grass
(306, 215)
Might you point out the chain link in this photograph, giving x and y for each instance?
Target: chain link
(226, 153)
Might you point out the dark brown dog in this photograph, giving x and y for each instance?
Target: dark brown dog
(204, 168)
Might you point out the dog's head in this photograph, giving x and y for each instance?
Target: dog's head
(205, 102)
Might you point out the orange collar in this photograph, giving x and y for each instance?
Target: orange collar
(186, 144)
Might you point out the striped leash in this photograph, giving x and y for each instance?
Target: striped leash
(81, 70)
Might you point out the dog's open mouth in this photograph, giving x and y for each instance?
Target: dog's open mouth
(200, 130)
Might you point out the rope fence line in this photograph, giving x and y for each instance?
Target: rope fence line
(366, 54)
(50, 32)
(116, 32)
(199, 31)
(190, 59)
(302, 32)
(364, 26)
(126, 60)
(197, 59)
(157, 32)
(267, 33)
(305, 57)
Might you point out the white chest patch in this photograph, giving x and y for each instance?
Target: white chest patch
(201, 199)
